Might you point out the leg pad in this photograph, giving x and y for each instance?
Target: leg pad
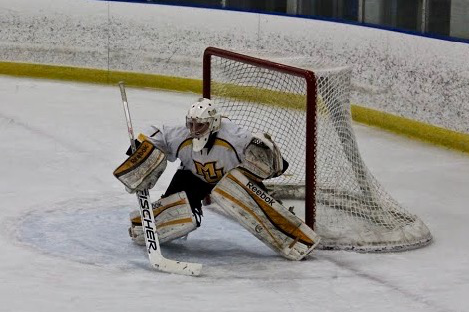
(173, 219)
(264, 216)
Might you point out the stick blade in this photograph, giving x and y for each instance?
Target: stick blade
(178, 267)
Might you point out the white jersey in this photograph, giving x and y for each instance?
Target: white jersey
(210, 164)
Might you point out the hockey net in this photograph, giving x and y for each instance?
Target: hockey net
(308, 116)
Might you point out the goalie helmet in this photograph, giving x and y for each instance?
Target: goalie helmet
(202, 120)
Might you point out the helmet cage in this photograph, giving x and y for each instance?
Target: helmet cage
(199, 127)
(202, 120)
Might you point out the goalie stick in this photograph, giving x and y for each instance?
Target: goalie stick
(148, 220)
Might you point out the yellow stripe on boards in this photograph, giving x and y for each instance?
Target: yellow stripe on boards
(260, 95)
(100, 76)
(400, 125)
(412, 128)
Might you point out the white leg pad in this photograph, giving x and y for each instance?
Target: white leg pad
(263, 216)
(173, 219)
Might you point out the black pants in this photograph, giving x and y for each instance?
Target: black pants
(195, 188)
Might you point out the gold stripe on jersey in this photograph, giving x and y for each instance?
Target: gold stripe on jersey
(226, 144)
(185, 143)
(218, 141)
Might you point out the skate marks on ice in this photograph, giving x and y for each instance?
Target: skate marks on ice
(94, 231)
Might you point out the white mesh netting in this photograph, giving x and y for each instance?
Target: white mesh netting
(353, 211)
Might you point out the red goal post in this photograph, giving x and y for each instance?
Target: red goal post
(310, 105)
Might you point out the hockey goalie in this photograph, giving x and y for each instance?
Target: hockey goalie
(220, 161)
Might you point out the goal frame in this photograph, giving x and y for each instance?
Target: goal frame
(311, 96)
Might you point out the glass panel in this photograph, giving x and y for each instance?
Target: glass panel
(438, 20)
(441, 17)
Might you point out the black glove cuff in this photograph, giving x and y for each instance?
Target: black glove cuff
(129, 150)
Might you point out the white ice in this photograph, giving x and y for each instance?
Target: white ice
(63, 216)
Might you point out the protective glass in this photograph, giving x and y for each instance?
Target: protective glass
(197, 127)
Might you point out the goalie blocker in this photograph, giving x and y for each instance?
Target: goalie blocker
(263, 216)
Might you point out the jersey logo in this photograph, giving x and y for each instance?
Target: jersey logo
(209, 171)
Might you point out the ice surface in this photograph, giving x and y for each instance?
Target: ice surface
(63, 216)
